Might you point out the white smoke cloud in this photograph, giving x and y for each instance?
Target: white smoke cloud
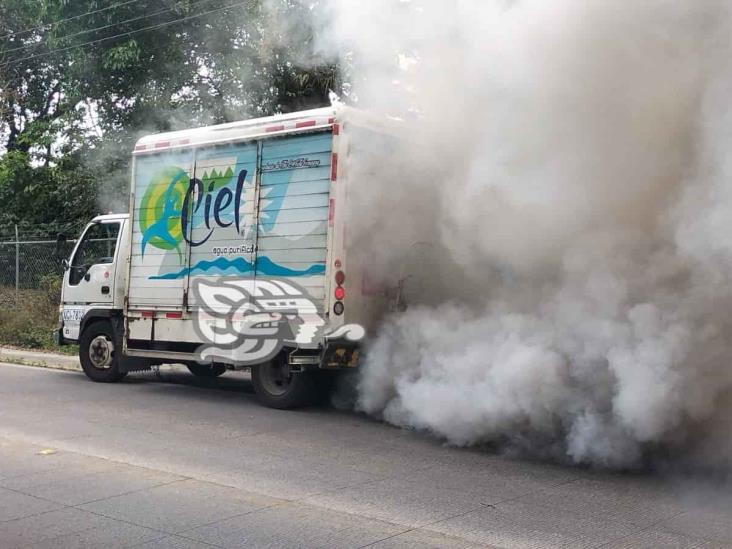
(565, 189)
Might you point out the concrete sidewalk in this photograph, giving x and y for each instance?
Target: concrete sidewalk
(56, 361)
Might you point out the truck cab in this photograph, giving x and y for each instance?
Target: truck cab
(94, 276)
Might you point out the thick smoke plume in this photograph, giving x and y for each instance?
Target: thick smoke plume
(562, 201)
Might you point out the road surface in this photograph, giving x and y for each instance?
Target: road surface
(173, 461)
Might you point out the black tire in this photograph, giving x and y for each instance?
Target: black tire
(206, 370)
(99, 353)
(277, 387)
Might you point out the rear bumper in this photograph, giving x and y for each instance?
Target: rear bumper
(335, 355)
(340, 355)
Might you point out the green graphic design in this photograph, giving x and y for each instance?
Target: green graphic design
(218, 178)
(161, 208)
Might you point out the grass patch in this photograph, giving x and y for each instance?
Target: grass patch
(29, 321)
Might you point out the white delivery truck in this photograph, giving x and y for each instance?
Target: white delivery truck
(232, 256)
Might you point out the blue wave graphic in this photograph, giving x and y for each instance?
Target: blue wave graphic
(223, 266)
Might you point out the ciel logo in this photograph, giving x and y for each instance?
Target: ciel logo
(173, 199)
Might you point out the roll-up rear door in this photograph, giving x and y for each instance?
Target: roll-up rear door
(293, 211)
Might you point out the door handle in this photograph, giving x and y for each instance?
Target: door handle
(87, 277)
(105, 290)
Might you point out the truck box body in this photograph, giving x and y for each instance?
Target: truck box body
(278, 227)
(250, 201)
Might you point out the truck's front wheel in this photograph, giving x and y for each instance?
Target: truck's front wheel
(277, 386)
(99, 353)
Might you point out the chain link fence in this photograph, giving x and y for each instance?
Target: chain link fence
(31, 272)
(30, 261)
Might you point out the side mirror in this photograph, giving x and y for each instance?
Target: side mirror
(60, 243)
(65, 264)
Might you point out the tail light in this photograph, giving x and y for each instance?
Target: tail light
(340, 292)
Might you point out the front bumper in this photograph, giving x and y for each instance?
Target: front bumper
(58, 336)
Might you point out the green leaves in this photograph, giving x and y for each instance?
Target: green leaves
(45, 194)
(121, 57)
(79, 83)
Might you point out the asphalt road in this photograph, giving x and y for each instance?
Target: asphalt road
(176, 462)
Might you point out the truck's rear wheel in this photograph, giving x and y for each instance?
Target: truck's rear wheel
(99, 353)
(277, 386)
(206, 370)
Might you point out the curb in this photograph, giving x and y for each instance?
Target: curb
(40, 359)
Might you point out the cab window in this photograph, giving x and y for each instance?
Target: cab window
(97, 247)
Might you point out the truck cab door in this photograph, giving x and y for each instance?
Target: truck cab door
(90, 277)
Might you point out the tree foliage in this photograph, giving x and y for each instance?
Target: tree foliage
(80, 80)
(54, 194)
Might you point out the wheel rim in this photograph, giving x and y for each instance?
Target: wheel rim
(276, 377)
(101, 352)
